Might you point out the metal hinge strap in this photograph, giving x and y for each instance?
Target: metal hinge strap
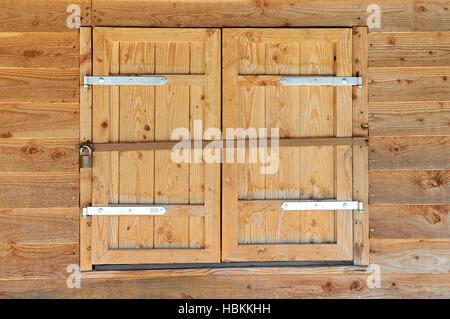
(124, 80)
(321, 80)
(122, 210)
(323, 205)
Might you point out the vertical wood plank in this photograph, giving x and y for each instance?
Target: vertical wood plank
(136, 125)
(317, 119)
(172, 111)
(252, 184)
(136, 187)
(198, 108)
(360, 153)
(105, 129)
(85, 136)
(343, 154)
(230, 226)
(283, 112)
(212, 220)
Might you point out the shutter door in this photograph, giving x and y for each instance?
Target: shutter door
(189, 231)
(255, 226)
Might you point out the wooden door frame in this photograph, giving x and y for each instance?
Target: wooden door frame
(360, 128)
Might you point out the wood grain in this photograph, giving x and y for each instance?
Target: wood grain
(409, 49)
(282, 110)
(36, 261)
(38, 156)
(171, 179)
(38, 15)
(85, 125)
(314, 172)
(360, 94)
(409, 84)
(350, 285)
(410, 221)
(39, 225)
(39, 190)
(360, 153)
(136, 122)
(409, 118)
(398, 15)
(410, 152)
(39, 85)
(39, 120)
(409, 187)
(415, 255)
(39, 49)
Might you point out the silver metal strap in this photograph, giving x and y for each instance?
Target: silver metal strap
(122, 210)
(323, 205)
(124, 80)
(321, 80)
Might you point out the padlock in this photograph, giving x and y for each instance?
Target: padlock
(85, 159)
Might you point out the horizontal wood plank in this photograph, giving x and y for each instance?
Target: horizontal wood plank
(39, 190)
(404, 15)
(409, 187)
(416, 255)
(34, 120)
(409, 49)
(38, 156)
(38, 15)
(409, 221)
(39, 49)
(39, 225)
(34, 261)
(409, 152)
(409, 118)
(409, 84)
(39, 85)
(251, 286)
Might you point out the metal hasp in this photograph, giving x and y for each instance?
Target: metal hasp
(122, 210)
(124, 80)
(323, 205)
(321, 80)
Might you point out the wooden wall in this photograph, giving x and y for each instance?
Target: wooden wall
(409, 95)
(409, 157)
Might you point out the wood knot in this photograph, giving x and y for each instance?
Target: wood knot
(365, 126)
(31, 150)
(328, 286)
(431, 180)
(58, 155)
(30, 53)
(355, 285)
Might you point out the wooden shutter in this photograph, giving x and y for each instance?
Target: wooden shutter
(190, 230)
(255, 228)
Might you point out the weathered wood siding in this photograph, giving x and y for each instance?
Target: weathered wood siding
(39, 111)
(409, 159)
